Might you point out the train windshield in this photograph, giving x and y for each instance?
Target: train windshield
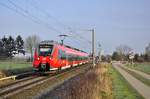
(45, 50)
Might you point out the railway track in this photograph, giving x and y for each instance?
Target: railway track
(17, 76)
(23, 84)
(15, 82)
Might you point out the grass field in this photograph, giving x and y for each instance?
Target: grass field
(14, 65)
(121, 88)
(144, 67)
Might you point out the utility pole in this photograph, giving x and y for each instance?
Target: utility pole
(93, 46)
(99, 54)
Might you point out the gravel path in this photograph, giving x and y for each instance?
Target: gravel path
(138, 72)
(143, 89)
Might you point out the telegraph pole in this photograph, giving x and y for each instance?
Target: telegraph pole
(93, 47)
(99, 54)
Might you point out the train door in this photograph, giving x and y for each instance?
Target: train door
(62, 58)
(59, 58)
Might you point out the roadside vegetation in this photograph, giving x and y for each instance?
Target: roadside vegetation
(144, 67)
(92, 84)
(95, 84)
(101, 82)
(121, 88)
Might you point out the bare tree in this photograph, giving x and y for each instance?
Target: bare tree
(31, 43)
(123, 51)
(147, 53)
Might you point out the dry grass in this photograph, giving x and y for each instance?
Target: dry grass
(4, 73)
(94, 84)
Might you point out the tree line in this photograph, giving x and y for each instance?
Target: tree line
(122, 53)
(8, 46)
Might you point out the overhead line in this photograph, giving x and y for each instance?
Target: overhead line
(6, 6)
(82, 46)
(60, 23)
(25, 11)
(45, 12)
(36, 19)
(26, 14)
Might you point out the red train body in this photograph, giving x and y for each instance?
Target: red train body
(51, 55)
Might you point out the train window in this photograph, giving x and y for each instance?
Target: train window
(62, 54)
(69, 57)
(73, 57)
(76, 58)
(59, 54)
(45, 50)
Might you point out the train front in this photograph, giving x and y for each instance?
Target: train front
(43, 57)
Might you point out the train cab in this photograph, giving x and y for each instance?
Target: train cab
(43, 56)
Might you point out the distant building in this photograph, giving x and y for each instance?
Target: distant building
(21, 53)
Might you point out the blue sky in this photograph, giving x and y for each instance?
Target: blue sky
(115, 21)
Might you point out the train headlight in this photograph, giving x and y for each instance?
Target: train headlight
(38, 58)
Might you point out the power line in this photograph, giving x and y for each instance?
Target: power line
(34, 17)
(58, 21)
(82, 38)
(48, 15)
(78, 42)
(19, 10)
(28, 15)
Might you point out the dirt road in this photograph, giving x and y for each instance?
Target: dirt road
(146, 76)
(143, 89)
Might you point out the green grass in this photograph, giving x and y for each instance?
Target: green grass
(121, 88)
(144, 67)
(139, 77)
(14, 65)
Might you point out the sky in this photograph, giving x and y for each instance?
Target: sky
(116, 22)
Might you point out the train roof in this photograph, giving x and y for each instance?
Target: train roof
(51, 42)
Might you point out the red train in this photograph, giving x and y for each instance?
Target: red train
(51, 55)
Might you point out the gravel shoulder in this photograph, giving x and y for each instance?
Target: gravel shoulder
(139, 86)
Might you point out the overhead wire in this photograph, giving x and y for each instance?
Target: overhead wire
(48, 15)
(27, 14)
(18, 12)
(59, 22)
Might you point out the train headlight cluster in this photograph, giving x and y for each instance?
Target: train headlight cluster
(38, 58)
